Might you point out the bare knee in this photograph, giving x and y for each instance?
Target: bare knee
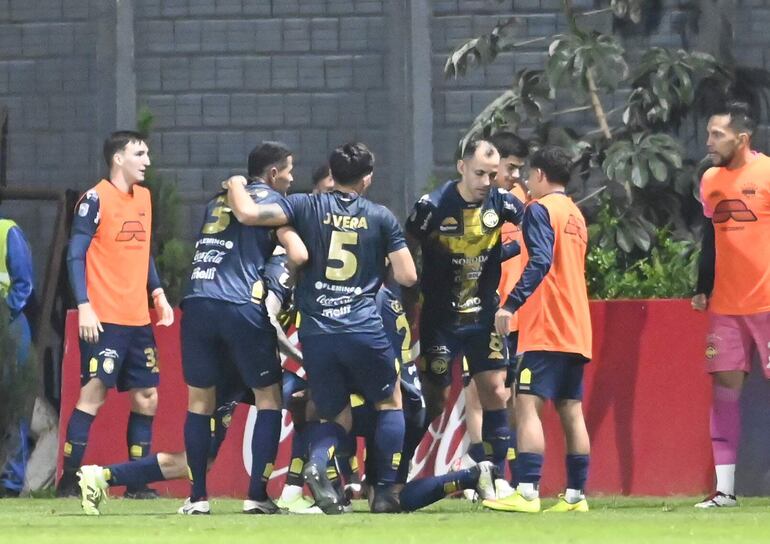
(144, 401)
(267, 398)
(201, 400)
(173, 465)
(92, 397)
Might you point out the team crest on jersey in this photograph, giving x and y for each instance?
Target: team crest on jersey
(395, 305)
(108, 365)
(439, 366)
(490, 219)
(83, 209)
(711, 352)
(227, 419)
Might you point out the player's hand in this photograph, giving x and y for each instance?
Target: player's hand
(164, 310)
(502, 322)
(234, 180)
(699, 302)
(89, 326)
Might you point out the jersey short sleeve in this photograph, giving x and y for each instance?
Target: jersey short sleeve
(512, 208)
(419, 221)
(707, 210)
(394, 236)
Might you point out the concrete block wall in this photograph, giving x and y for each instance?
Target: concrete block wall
(47, 81)
(221, 75)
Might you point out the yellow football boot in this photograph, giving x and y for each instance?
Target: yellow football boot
(564, 506)
(514, 503)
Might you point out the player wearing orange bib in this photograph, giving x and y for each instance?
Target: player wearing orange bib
(111, 273)
(555, 333)
(733, 280)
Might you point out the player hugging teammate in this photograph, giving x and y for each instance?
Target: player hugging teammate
(341, 248)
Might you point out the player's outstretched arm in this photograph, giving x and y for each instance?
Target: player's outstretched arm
(247, 211)
(294, 246)
(404, 270)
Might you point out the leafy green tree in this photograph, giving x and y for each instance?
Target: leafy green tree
(173, 253)
(633, 156)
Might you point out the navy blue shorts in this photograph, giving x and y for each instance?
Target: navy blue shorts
(219, 335)
(512, 341)
(411, 390)
(339, 365)
(551, 375)
(482, 347)
(125, 357)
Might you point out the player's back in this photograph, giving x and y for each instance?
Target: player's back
(230, 257)
(556, 317)
(348, 238)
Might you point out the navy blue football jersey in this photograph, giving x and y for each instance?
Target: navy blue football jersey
(461, 252)
(277, 277)
(230, 257)
(394, 321)
(348, 238)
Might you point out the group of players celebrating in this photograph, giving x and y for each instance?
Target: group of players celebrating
(502, 289)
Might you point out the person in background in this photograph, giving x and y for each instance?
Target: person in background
(16, 286)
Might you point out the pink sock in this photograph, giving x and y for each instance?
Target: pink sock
(725, 424)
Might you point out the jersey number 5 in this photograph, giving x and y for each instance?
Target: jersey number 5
(337, 252)
(221, 217)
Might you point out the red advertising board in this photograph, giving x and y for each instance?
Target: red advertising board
(646, 404)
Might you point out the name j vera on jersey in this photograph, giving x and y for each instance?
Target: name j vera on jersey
(346, 222)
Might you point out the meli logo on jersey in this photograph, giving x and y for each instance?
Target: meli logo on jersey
(199, 273)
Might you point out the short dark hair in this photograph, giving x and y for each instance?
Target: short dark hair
(265, 155)
(320, 173)
(509, 144)
(555, 163)
(741, 118)
(350, 162)
(472, 146)
(117, 141)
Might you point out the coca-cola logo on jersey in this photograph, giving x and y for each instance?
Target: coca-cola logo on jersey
(211, 256)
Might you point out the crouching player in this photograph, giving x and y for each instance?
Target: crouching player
(555, 328)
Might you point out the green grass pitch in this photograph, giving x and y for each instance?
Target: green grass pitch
(624, 520)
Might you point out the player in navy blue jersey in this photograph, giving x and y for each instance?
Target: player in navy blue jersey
(457, 228)
(225, 313)
(346, 350)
